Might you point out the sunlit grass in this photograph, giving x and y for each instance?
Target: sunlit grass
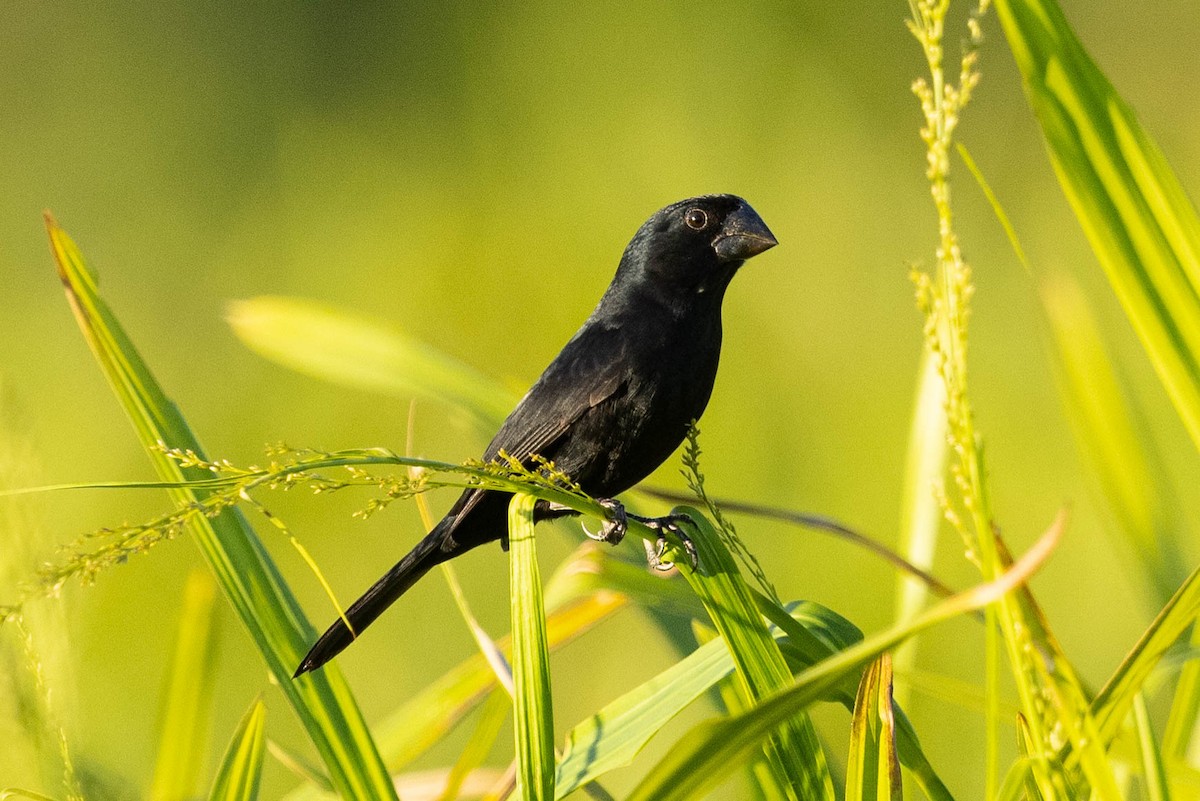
(766, 660)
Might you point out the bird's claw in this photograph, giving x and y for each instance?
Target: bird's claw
(654, 553)
(612, 530)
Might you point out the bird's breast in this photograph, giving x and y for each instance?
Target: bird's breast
(642, 424)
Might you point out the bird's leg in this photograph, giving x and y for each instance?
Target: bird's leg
(613, 530)
(662, 525)
(549, 510)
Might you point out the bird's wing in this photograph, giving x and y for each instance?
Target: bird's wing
(590, 369)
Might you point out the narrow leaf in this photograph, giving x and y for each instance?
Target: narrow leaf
(531, 659)
(1137, 217)
(1113, 435)
(707, 754)
(342, 347)
(1185, 706)
(239, 561)
(1154, 772)
(241, 768)
(613, 736)
(491, 721)
(762, 781)
(1114, 701)
(794, 751)
(187, 705)
(423, 721)
(873, 770)
(921, 515)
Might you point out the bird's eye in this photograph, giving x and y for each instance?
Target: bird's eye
(696, 219)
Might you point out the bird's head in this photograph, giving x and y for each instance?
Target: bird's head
(695, 245)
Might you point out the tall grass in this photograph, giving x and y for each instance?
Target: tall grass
(765, 661)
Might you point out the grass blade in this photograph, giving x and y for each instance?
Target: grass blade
(1154, 772)
(1112, 433)
(814, 634)
(1114, 701)
(710, 751)
(921, 520)
(614, 735)
(1016, 782)
(298, 765)
(243, 569)
(342, 347)
(1136, 215)
(422, 721)
(873, 771)
(921, 516)
(611, 738)
(1185, 706)
(759, 776)
(487, 730)
(187, 708)
(241, 769)
(794, 751)
(1061, 706)
(531, 659)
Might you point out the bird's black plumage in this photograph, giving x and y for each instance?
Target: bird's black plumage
(618, 399)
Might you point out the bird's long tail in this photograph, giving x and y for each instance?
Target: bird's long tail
(383, 593)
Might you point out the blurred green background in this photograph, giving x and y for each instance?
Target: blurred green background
(470, 173)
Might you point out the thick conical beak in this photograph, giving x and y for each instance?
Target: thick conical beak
(743, 235)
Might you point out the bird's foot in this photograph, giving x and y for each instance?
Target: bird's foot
(654, 553)
(612, 530)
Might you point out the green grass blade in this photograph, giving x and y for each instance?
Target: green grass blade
(1038, 786)
(614, 735)
(1154, 772)
(794, 751)
(1137, 217)
(1112, 433)
(921, 519)
(302, 767)
(1185, 706)
(611, 738)
(815, 633)
(1114, 701)
(423, 721)
(342, 347)
(873, 770)
(243, 569)
(475, 752)
(710, 751)
(921, 515)
(1016, 781)
(240, 773)
(532, 707)
(760, 777)
(187, 708)
(1061, 705)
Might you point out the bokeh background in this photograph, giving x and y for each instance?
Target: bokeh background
(470, 173)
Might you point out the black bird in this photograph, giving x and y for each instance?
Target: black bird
(619, 398)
